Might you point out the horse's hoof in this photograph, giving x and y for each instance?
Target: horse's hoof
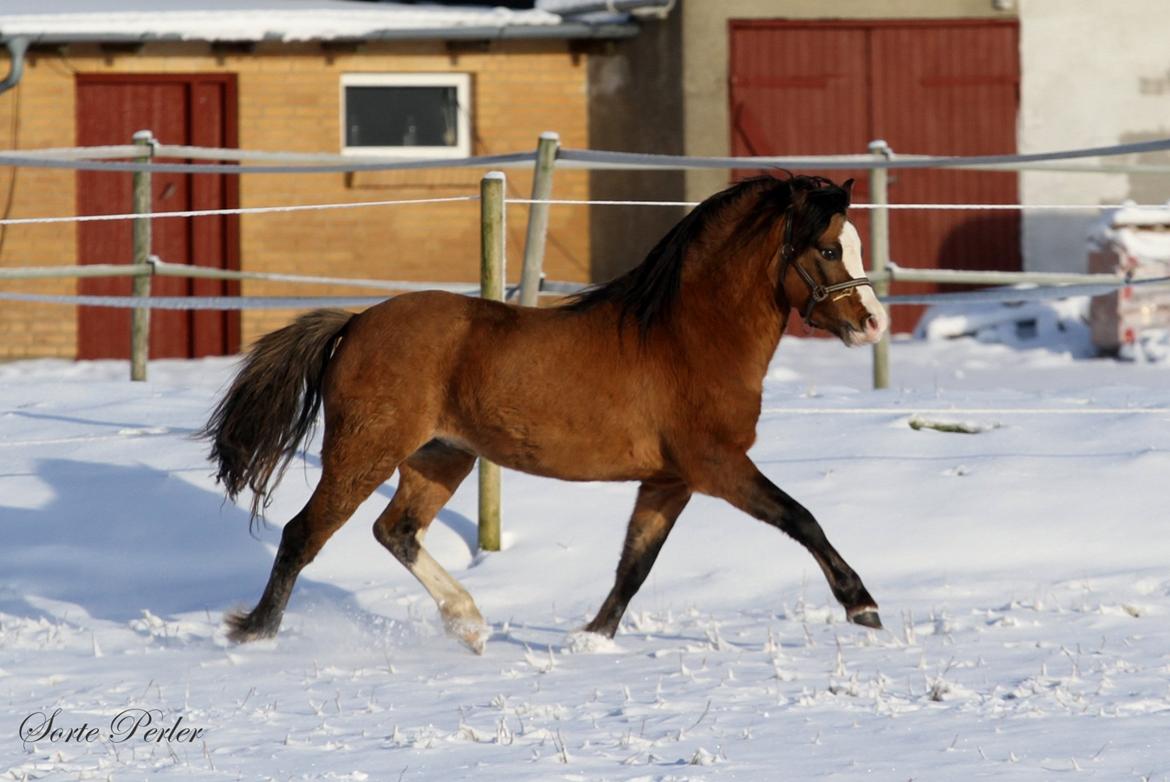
(242, 628)
(472, 633)
(866, 617)
(585, 641)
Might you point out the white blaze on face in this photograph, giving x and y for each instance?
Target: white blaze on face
(851, 257)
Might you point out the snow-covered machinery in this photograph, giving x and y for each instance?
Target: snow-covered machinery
(1134, 243)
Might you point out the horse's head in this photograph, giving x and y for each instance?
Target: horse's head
(821, 275)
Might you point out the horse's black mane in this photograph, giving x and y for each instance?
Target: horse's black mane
(648, 291)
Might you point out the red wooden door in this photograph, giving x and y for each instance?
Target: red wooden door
(945, 87)
(179, 109)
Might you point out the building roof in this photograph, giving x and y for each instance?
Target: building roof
(283, 20)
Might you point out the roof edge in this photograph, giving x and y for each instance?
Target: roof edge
(567, 31)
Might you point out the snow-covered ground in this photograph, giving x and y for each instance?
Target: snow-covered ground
(1022, 573)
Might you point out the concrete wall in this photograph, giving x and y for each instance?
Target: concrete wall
(1093, 74)
(635, 94)
(289, 100)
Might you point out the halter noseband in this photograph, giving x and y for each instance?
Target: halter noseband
(817, 291)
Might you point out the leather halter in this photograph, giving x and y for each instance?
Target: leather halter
(817, 291)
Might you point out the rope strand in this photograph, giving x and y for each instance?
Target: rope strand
(527, 201)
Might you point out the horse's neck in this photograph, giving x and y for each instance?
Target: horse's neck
(729, 306)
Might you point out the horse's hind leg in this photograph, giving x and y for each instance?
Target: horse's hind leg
(426, 481)
(657, 507)
(745, 487)
(348, 477)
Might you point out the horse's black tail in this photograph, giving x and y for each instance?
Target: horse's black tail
(272, 404)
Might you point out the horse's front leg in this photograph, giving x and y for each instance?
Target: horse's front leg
(740, 482)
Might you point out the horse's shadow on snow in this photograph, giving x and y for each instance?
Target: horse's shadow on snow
(118, 539)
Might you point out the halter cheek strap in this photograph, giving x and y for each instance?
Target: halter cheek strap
(817, 291)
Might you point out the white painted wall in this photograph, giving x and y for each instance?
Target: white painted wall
(1093, 73)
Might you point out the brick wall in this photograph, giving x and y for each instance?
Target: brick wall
(289, 100)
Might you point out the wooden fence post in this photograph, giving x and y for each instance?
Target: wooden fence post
(140, 318)
(879, 252)
(491, 285)
(534, 241)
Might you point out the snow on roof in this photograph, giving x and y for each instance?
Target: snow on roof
(252, 20)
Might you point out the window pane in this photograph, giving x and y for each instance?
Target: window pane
(401, 117)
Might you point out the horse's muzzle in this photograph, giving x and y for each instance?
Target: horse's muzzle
(870, 331)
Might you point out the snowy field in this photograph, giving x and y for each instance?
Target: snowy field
(1022, 573)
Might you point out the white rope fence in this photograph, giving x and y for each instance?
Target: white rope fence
(953, 207)
(164, 269)
(1037, 161)
(332, 164)
(1005, 295)
(249, 210)
(1061, 286)
(143, 160)
(107, 159)
(161, 268)
(197, 302)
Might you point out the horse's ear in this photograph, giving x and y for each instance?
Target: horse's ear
(847, 186)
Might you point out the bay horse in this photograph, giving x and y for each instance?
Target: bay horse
(654, 377)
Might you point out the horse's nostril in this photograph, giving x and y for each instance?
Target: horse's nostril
(871, 324)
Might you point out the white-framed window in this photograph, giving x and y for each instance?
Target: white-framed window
(423, 115)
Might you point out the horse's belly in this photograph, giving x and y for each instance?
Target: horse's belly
(542, 396)
(561, 453)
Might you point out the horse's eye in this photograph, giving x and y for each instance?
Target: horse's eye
(831, 254)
